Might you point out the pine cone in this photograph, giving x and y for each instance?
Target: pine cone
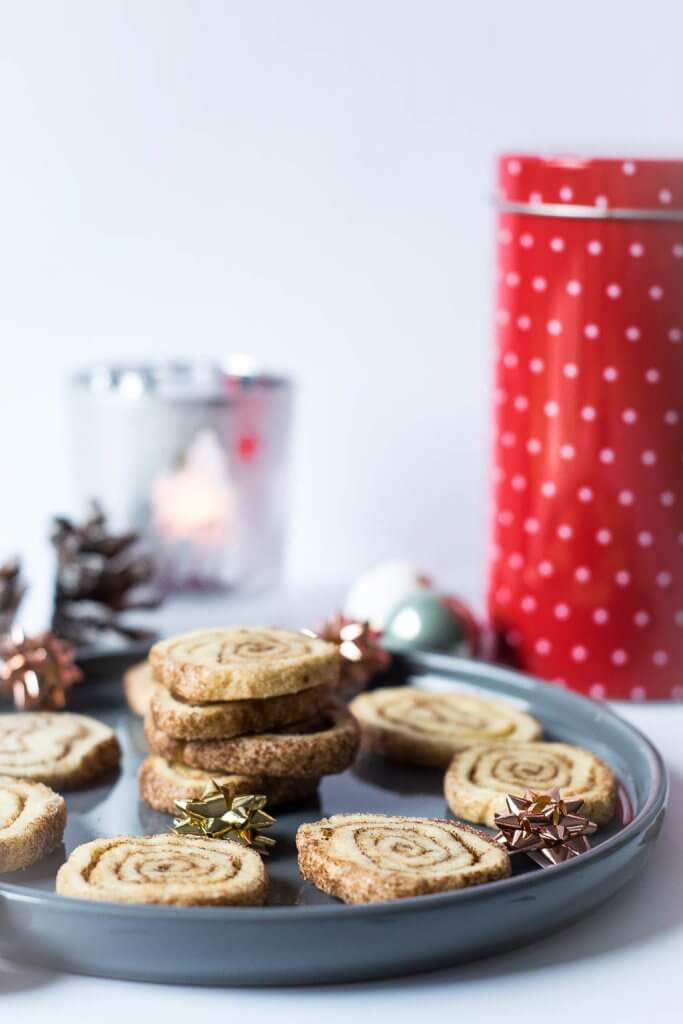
(100, 575)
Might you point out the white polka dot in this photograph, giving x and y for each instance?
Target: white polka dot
(573, 287)
(510, 359)
(665, 196)
(610, 373)
(526, 240)
(505, 517)
(600, 616)
(619, 657)
(607, 456)
(633, 333)
(663, 579)
(678, 617)
(671, 417)
(512, 279)
(508, 439)
(677, 692)
(603, 536)
(594, 247)
(552, 408)
(554, 327)
(648, 458)
(539, 284)
(591, 330)
(535, 197)
(625, 497)
(566, 194)
(536, 365)
(601, 202)
(585, 494)
(531, 525)
(505, 236)
(667, 499)
(629, 415)
(628, 167)
(680, 538)
(675, 334)
(622, 578)
(514, 167)
(524, 322)
(503, 595)
(570, 370)
(515, 561)
(562, 611)
(636, 249)
(588, 413)
(557, 244)
(501, 396)
(597, 691)
(548, 489)
(533, 446)
(613, 290)
(518, 482)
(678, 251)
(498, 474)
(564, 531)
(660, 658)
(582, 574)
(567, 451)
(656, 292)
(546, 568)
(641, 619)
(521, 403)
(579, 652)
(645, 539)
(543, 646)
(528, 603)
(638, 693)
(503, 317)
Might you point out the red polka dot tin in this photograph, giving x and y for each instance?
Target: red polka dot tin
(586, 566)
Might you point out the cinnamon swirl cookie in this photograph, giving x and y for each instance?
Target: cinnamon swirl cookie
(161, 784)
(243, 663)
(139, 685)
(169, 869)
(58, 748)
(234, 717)
(417, 726)
(32, 822)
(363, 858)
(479, 778)
(324, 746)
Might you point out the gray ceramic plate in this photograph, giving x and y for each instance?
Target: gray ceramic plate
(304, 936)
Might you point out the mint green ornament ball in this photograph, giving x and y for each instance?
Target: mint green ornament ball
(423, 622)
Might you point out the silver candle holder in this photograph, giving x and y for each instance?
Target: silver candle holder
(194, 456)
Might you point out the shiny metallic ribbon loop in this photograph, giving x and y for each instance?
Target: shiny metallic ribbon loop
(578, 212)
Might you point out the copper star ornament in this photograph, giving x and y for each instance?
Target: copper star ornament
(37, 670)
(545, 827)
(216, 815)
(359, 647)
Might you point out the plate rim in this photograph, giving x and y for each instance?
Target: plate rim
(443, 664)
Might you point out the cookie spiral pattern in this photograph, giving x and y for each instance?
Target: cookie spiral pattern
(164, 869)
(32, 822)
(416, 726)
(162, 783)
(58, 748)
(363, 858)
(242, 663)
(479, 778)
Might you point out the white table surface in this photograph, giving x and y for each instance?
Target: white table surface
(623, 961)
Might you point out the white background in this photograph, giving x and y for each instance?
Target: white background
(307, 182)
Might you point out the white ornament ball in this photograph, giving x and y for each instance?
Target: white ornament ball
(376, 593)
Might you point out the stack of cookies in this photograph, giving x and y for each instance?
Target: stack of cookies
(252, 708)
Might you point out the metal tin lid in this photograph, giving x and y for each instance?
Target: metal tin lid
(599, 187)
(177, 380)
